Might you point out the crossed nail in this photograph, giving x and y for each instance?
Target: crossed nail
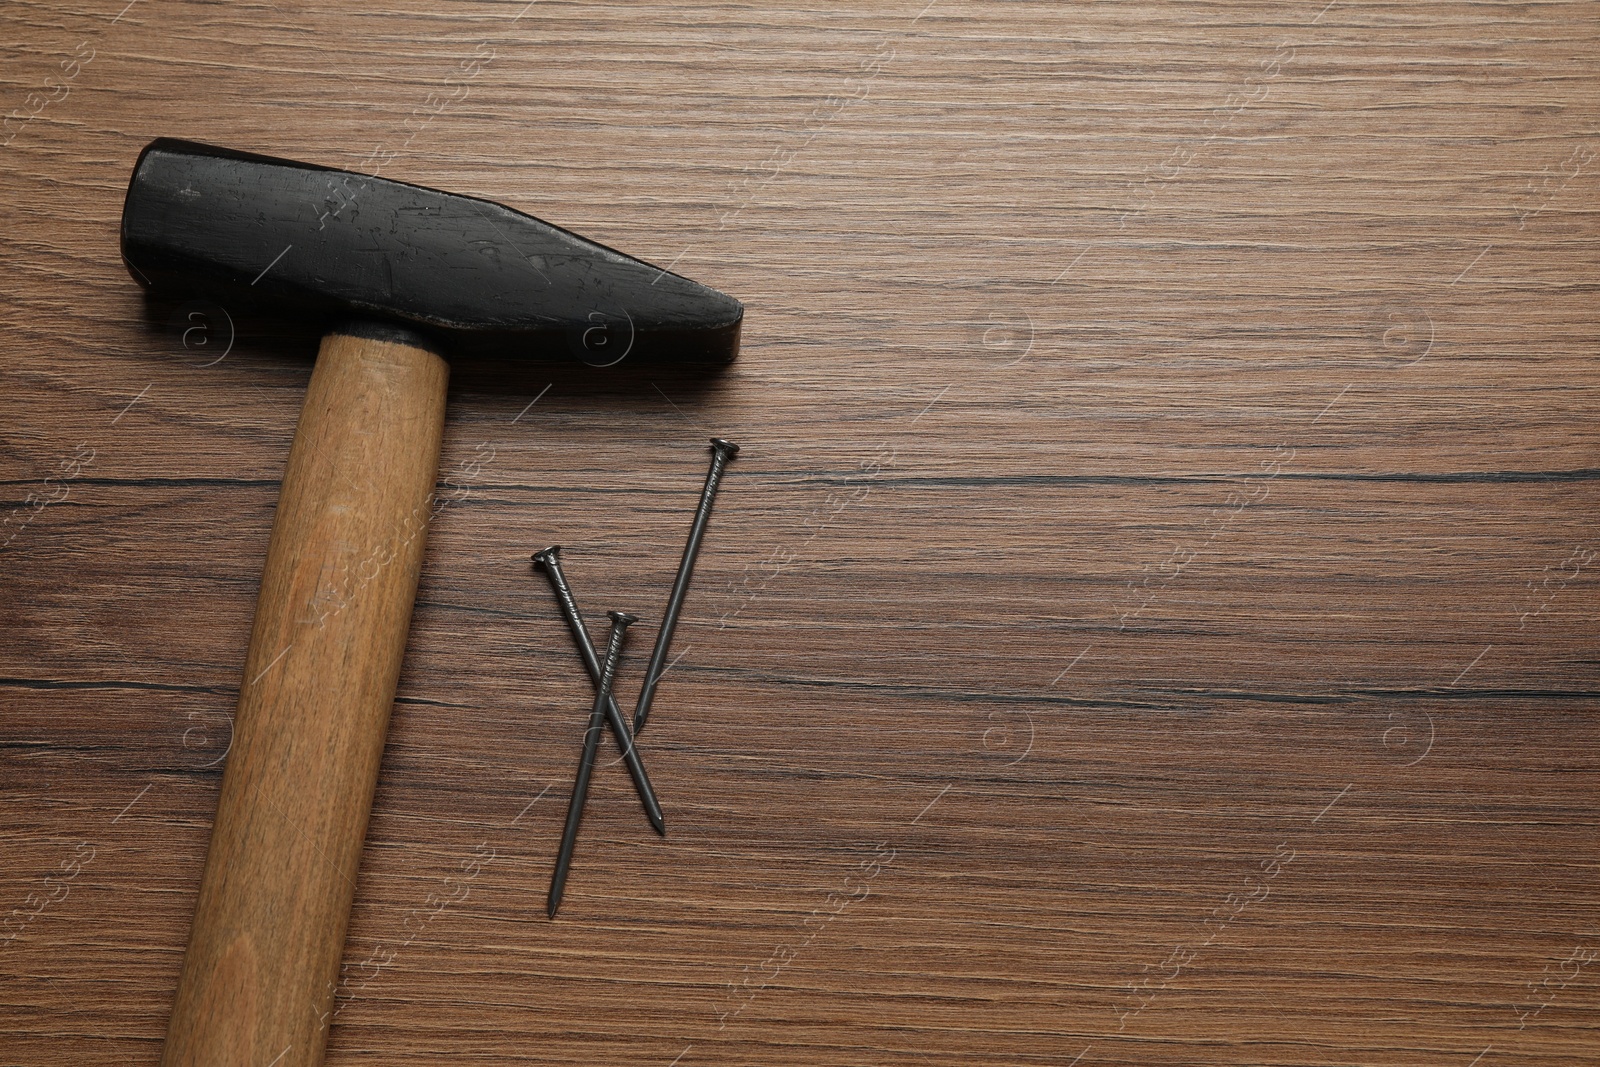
(603, 673)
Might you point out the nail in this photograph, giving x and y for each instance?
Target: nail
(721, 452)
(549, 561)
(591, 743)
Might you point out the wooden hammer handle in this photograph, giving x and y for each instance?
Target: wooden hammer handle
(262, 966)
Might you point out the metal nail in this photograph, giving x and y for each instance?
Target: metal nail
(721, 452)
(591, 743)
(549, 560)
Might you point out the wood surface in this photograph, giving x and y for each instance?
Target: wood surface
(1151, 620)
(262, 966)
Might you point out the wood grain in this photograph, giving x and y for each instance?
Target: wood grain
(1151, 619)
(262, 964)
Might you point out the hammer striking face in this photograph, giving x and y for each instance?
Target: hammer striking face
(404, 273)
(477, 276)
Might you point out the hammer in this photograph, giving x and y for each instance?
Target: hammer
(405, 274)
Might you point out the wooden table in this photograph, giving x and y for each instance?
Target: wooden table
(1152, 620)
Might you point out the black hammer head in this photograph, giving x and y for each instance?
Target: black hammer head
(481, 277)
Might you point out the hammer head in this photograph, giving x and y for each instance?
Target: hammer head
(480, 277)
